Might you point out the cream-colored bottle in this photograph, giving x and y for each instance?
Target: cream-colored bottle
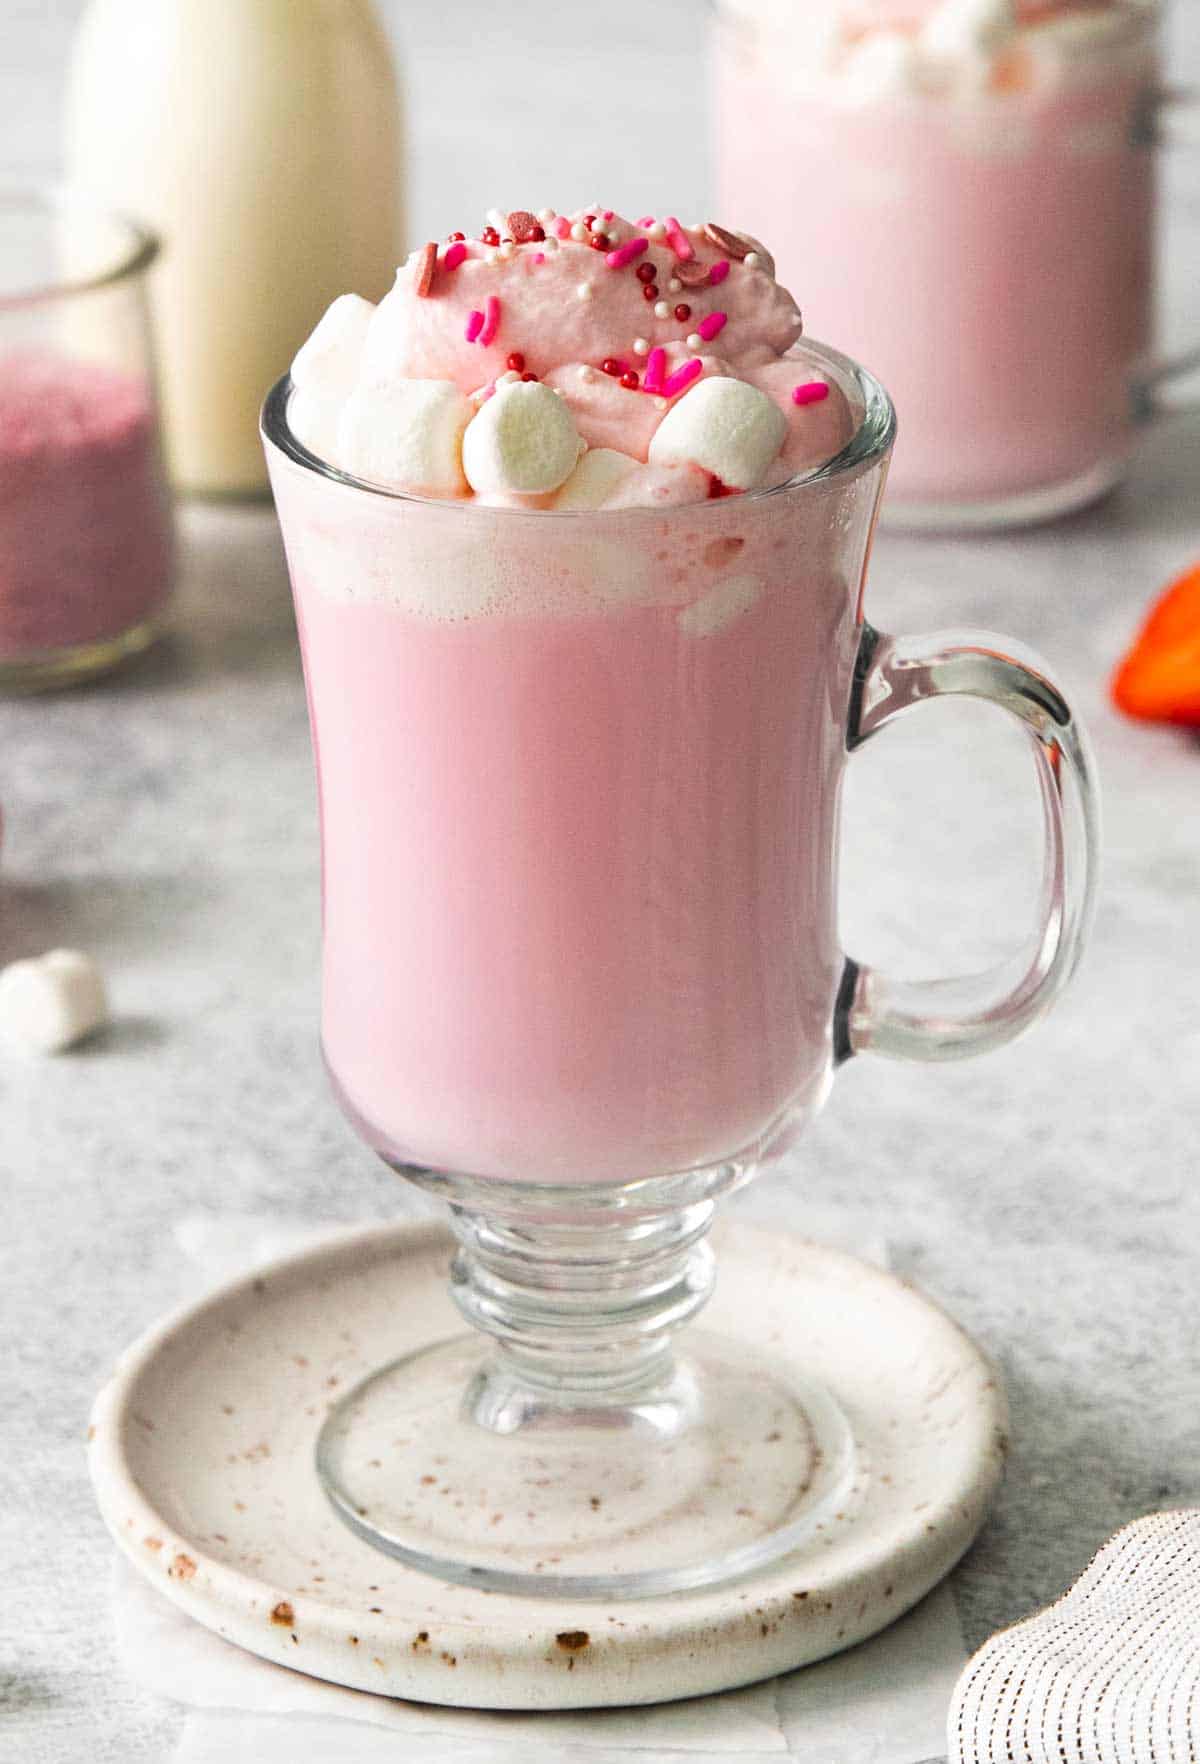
(261, 139)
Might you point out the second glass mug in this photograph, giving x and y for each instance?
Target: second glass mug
(987, 248)
(579, 779)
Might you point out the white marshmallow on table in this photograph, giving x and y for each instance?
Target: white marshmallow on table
(327, 363)
(406, 435)
(725, 426)
(594, 479)
(52, 1001)
(522, 441)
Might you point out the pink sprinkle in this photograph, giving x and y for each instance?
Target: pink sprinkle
(454, 255)
(647, 220)
(652, 379)
(626, 253)
(718, 272)
(678, 240)
(562, 227)
(609, 213)
(813, 392)
(491, 323)
(539, 257)
(682, 377)
(474, 325)
(710, 326)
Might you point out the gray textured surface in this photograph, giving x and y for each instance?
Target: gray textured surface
(165, 821)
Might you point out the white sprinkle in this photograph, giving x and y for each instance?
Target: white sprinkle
(493, 254)
(640, 346)
(507, 249)
(584, 291)
(579, 231)
(751, 260)
(660, 404)
(661, 309)
(695, 341)
(657, 230)
(550, 244)
(674, 285)
(546, 215)
(586, 375)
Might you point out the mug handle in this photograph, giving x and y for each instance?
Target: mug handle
(1170, 121)
(952, 1019)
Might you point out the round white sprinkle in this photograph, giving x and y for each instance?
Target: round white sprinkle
(507, 249)
(587, 375)
(695, 341)
(550, 244)
(579, 231)
(656, 230)
(584, 291)
(545, 215)
(751, 260)
(661, 309)
(674, 285)
(640, 346)
(660, 404)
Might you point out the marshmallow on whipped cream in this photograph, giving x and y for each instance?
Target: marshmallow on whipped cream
(570, 362)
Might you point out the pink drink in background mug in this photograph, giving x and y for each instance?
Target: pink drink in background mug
(966, 192)
(585, 653)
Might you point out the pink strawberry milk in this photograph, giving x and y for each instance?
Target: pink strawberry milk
(965, 189)
(578, 688)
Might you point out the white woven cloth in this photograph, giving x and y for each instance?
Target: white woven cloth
(1108, 1675)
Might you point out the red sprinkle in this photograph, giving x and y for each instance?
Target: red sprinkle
(610, 365)
(717, 489)
(683, 312)
(455, 254)
(645, 272)
(589, 220)
(454, 238)
(516, 362)
(529, 376)
(629, 380)
(713, 323)
(812, 392)
(599, 241)
(649, 290)
(490, 236)
(683, 377)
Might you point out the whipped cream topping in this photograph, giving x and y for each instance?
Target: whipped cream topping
(571, 362)
(865, 50)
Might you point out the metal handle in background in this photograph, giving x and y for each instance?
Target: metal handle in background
(952, 1019)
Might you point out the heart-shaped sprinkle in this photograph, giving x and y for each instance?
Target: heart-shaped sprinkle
(730, 243)
(524, 228)
(692, 275)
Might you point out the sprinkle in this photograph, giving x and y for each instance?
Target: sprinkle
(751, 260)
(610, 365)
(656, 365)
(656, 229)
(507, 250)
(718, 272)
(695, 341)
(516, 362)
(562, 227)
(546, 215)
(584, 291)
(640, 346)
(732, 244)
(599, 241)
(647, 220)
(646, 272)
(692, 275)
(712, 325)
(626, 253)
(551, 243)
(490, 236)
(474, 325)
(678, 240)
(426, 264)
(660, 404)
(662, 309)
(812, 392)
(682, 378)
(579, 231)
(674, 286)
(539, 257)
(491, 323)
(454, 255)
(453, 238)
(683, 312)
(522, 227)
(630, 381)
(608, 214)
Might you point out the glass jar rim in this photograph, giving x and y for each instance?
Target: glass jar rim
(871, 441)
(42, 202)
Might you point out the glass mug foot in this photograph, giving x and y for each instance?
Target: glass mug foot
(1024, 508)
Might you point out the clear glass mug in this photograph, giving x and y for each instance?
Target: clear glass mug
(987, 248)
(85, 518)
(579, 779)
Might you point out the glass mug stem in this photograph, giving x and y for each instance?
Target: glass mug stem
(955, 1018)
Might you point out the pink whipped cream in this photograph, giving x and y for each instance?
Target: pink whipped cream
(85, 544)
(569, 362)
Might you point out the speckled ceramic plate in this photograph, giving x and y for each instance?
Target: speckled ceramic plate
(201, 1452)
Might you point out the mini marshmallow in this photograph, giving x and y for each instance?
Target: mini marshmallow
(51, 1002)
(523, 442)
(727, 427)
(406, 435)
(327, 364)
(594, 479)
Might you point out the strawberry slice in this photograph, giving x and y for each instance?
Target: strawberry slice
(1159, 679)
